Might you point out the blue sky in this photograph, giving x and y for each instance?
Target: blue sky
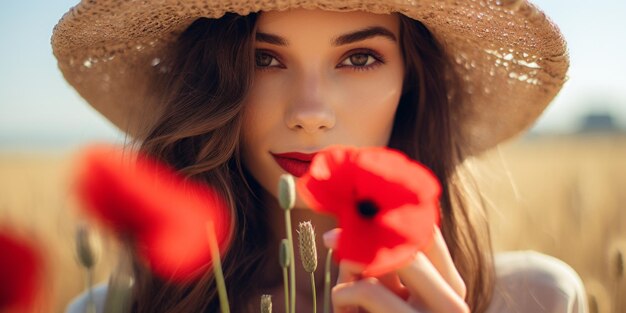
(597, 80)
(39, 109)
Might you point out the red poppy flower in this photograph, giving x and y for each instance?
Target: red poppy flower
(20, 273)
(385, 203)
(163, 214)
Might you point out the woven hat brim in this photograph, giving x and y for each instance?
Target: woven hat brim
(511, 59)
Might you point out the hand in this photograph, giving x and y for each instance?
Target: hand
(430, 283)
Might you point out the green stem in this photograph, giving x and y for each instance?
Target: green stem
(292, 264)
(286, 284)
(119, 292)
(314, 296)
(91, 303)
(217, 269)
(327, 281)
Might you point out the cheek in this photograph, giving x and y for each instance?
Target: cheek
(261, 110)
(371, 110)
(260, 122)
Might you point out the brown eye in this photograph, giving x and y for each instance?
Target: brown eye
(362, 60)
(359, 59)
(263, 59)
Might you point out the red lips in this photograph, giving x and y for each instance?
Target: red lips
(294, 163)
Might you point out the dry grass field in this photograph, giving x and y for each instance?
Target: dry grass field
(564, 196)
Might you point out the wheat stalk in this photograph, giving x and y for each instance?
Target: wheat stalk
(308, 254)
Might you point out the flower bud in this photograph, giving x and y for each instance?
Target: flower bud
(87, 246)
(286, 192)
(283, 254)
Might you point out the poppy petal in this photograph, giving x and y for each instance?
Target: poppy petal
(386, 204)
(115, 189)
(380, 249)
(162, 213)
(327, 185)
(21, 271)
(387, 194)
(415, 223)
(394, 166)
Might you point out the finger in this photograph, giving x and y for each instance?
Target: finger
(349, 272)
(422, 278)
(393, 283)
(369, 295)
(439, 256)
(331, 237)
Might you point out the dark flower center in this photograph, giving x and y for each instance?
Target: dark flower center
(367, 208)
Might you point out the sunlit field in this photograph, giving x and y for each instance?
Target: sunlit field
(564, 196)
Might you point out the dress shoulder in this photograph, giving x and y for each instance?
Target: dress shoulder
(528, 281)
(79, 304)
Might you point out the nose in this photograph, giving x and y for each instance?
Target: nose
(311, 119)
(310, 109)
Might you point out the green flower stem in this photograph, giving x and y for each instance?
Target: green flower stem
(91, 303)
(119, 294)
(314, 296)
(284, 260)
(327, 281)
(286, 284)
(292, 265)
(217, 269)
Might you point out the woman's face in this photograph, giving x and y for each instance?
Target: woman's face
(322, 78)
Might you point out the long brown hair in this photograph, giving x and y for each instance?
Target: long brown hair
(424, 130)
(205, 83)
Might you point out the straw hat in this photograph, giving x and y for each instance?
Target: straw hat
(512, 60)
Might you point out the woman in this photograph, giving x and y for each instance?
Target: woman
(230, 97)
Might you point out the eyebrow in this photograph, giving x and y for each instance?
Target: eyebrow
(344, 39)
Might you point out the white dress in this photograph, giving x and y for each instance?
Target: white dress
(526, 281)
